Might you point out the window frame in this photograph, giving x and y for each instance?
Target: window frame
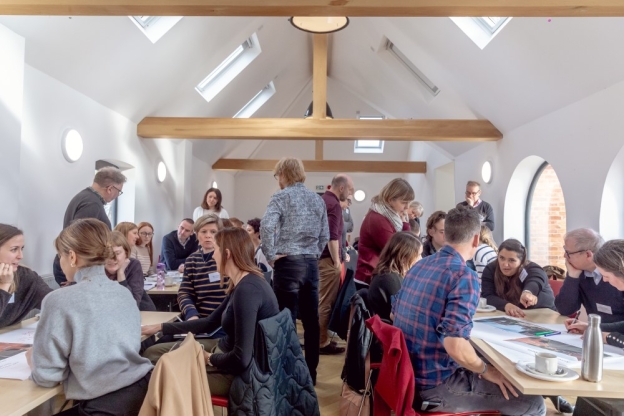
(529, 202)
(491, 29)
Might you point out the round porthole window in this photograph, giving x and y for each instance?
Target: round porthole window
(359, 195)
(72, 145)
(486, 172)
(161, 171)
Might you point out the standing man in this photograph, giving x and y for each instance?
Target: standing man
(346, 215)
(294, 232)
(89, 203)
(330, 263)
(178, 245)
(434, 309)
(473, 200)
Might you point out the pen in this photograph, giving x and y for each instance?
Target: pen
(576, 315)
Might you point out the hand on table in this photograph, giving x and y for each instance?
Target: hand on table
(192, 318)
(150, 329)
(577, 327)
(528, 299)
(494, 376)
(513, 310)
(181, 268)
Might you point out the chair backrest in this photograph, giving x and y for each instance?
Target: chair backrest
(555, 285)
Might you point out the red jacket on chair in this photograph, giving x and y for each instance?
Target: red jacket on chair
(395, 386)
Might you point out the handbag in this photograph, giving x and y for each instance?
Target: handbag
(353, 403)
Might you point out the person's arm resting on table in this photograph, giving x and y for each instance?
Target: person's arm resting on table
(187, 296)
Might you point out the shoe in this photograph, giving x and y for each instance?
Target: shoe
(331, 349)
(562, 405)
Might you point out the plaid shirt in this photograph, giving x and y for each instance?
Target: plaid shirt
(438, 299)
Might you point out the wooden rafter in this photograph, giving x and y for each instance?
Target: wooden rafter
(312, 129)
(325, 166)
(403, 8)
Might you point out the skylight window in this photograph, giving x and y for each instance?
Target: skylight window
(369, 146)
(481, 30)
(257, 101)
(229, 69)
(426, 82)
(154, 27)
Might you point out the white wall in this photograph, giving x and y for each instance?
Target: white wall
(580, 141)
(445, 187)
(47, 181)
(612, 206)
(12, 49)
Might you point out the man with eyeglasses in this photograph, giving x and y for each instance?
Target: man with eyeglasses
(473, 200)
(89, 203)
(583, 284)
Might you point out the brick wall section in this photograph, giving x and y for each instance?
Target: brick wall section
(548, 221)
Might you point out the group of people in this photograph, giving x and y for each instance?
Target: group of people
(430, 290)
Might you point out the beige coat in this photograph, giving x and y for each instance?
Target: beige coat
(179, 386)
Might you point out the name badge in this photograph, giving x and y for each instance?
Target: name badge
(604, 308)
(214, 277)
(12, 298)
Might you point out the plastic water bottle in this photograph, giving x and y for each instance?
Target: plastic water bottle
(160, 276)
(593, 347)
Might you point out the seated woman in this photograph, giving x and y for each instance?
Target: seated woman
(21, 289)
(127, 272)
(250, 299)
(398, 256)
(131, 232)
(253, 228)
(512, 281)
(88, 335)
(211, 204)
(435, 233)
(486, 252)
(145, 248)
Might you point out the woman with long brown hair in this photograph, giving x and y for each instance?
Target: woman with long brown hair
(398, 256)
(512, 282)
(145, 249)
(131, 232)
(211, 203)
(249, 299)
(21, 289)
(434, 239)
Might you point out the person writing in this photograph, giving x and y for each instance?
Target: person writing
(512, 283)
(249, 300)
(21, 289)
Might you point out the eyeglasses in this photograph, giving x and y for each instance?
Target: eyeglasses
(146, 234)
(276, 175)
(119, 191)
(568, 254)
(472, 193)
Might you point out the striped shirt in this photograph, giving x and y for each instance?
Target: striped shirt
(143, 256)
(483, 256)
(438, 299)
(198, 295)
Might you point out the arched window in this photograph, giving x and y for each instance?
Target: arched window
(545, 218)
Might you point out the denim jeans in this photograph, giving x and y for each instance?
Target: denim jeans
(295, 282)
(464, 391)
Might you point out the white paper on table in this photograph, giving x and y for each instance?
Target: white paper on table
(25, 335)
(15, 367)
(148, 286)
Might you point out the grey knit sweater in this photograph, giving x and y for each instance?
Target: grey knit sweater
(89, 338)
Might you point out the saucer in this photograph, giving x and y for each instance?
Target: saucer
(528, 368)
(488, 308)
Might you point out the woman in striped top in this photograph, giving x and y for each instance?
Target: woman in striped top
(145, 249)
(486, 252)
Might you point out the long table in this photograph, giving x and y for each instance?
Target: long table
(18, 397)
(609, 387)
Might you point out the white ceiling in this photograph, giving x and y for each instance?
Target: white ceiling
(531, 68)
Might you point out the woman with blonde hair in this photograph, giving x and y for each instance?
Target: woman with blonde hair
(383, 219)
(249, 300)
(88, 335)
(486, 252)
(21, 289)
(402, 251)
(131, 232)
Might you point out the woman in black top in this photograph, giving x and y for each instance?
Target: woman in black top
(249, 299)
(511, 282)
(435, 233)
(398, 256)
(21, 289)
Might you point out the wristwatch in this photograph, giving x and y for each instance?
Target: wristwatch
(485, 368)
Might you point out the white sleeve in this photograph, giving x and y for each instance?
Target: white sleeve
(223, 214)
(199, 211)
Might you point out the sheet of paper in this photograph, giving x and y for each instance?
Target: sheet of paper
(148, 286)
(24, 335)
(15, 367)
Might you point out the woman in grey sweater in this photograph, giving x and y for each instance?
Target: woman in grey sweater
(88, 337)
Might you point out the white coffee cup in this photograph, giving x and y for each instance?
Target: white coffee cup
(482, 303)
(168, 281)
(546, 363)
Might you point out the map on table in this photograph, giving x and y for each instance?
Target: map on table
(517, 326)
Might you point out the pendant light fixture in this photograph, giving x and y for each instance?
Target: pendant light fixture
(313, 24)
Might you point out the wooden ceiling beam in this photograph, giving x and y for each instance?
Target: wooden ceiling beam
(313, 129)
(401, 8)
(325, 166)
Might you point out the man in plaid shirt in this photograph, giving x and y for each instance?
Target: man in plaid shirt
(434, 309)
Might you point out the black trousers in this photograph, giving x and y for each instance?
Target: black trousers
(295, 282)
(126, 401)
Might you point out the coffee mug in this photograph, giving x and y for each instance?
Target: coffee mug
(546, 363)
(168, 281)
(482, 303)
